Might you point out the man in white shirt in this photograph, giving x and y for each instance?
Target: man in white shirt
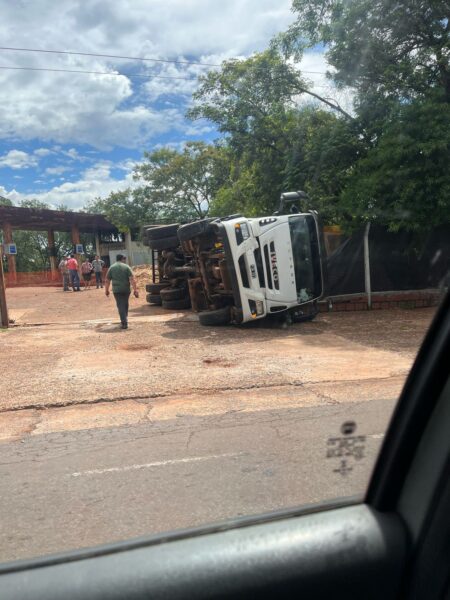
(98, 265)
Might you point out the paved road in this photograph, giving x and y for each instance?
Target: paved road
(72, 489)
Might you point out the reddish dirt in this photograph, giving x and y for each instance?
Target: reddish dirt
(78, 356)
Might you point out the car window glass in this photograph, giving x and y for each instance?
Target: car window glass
(224, 233)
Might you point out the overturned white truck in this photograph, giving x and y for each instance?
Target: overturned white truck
(237, 269)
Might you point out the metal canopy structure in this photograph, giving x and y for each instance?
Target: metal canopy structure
(42, 219)
(37, 219)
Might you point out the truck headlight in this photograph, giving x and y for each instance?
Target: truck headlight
(259, 307)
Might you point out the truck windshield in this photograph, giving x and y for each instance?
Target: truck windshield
(305, 251)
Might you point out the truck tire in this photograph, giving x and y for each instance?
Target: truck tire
(221, 316)
(164, 243)
(162, 231)
(155, 288)
(144, 231)
(177, 304)
(154, 299)
(176, 293)
(192, 230)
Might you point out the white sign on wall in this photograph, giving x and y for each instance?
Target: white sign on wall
(10, 249)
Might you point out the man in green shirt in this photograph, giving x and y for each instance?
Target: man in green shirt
(122, 278)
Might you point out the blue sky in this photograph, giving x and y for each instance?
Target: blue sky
(66, 138)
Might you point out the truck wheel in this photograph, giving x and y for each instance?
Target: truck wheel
(177, 304)
(144, 230)
(162, 231)
(164, 243)
(155, 288)
(192, 230)
(154, 299)
(221, 316)
(176, 293)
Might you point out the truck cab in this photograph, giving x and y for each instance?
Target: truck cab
(243, 269)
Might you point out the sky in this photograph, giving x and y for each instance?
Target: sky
(67, 138)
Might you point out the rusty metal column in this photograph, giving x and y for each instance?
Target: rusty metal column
(4, 320)
(7, 236)
(52, 254)
(76, 240)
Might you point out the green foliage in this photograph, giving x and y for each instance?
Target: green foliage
(183, 183)
(397, 49)
(387, 162)
(176, 186)
(395, 56)
(125, 209)
(404, 181)
(274, 144)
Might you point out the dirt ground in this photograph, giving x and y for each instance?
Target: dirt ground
(66, 364)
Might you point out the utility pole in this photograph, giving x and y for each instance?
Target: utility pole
(4, 319)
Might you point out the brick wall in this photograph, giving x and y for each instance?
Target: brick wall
(382, 300)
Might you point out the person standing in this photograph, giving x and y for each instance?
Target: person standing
(86, 271)
(74, 273)
(122, 279)
(98, 265)
(63, 269)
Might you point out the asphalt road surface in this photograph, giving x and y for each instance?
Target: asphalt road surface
(73, 489)
(107, 435)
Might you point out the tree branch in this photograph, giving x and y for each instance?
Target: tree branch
(325, 101)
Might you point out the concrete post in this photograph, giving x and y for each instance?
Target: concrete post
(8, 238)
(52, 255)
(128, 248)
(368, 284)
(4, 319)
(97, 244)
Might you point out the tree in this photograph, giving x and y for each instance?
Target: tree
(273, 143)
(176, 185)
(182, 184)
(395, 56)
(397, 50)
(404, 181)
(125, 209)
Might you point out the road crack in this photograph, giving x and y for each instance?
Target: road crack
(191, 391)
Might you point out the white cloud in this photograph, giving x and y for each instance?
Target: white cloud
(57, 170)
(73, 153)
(105, 111)
(42, 152)
(89, 112)
(95, 181)
(16, 159)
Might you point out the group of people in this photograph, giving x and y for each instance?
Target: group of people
(119, 276)
(71, 271)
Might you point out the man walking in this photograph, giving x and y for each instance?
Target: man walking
(74, 274)
(122, 279)
(98, 265)
(64, 273)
